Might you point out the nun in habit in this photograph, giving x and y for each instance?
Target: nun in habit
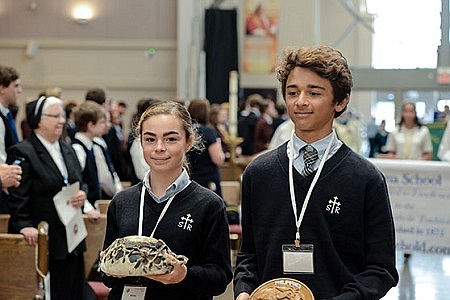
(48, 165)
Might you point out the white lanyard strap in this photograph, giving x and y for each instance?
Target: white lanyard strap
(298, 221)
(141, 212)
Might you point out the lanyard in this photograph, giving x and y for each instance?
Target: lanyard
(141, 212)
(298, 221)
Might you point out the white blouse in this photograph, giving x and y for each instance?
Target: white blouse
(409, 143)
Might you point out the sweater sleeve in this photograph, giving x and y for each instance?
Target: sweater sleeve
(212, 276)
(380, 273)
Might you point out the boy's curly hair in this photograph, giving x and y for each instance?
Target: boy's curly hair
(325, 61)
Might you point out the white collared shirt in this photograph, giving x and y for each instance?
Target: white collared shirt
(3, 110)
(110, 184)
(137, 157)
(81, 154)
(320, 146)
(177, 186)
(55, 152)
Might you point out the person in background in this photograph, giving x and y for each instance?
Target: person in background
(115, 147)
(281, 115)
(90, 120)
(340, 241)
(447, 113)
(98, 95)
(116, 123)
(349, 130)
(53, 92)
(380, 139)
(444, 146)
(167, 133)
(264, 126)
(218, 117)
(204, 165)
(116, 142)
(135, 154)
(122, 108)
(247, 121)
(109, 181)
(282, 134)
(49, 164)
(24, 127)
(410, 140)
(10, 89)
(70, 128)
(372, 130)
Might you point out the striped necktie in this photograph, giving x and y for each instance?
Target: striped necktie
(310, 156)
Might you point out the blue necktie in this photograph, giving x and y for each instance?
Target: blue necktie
(90, 153)
(13, 127)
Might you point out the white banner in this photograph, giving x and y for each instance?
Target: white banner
(420, 198)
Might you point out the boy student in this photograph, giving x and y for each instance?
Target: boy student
(109, 181)
(10, 89)
(90, 120)
(331, 224)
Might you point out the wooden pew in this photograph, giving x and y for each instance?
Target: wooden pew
(94, 241)
(231, 192)
(23, 266)
(126, 184)
(102, 205)
(229, 171)
(94, 244)
(4, 219)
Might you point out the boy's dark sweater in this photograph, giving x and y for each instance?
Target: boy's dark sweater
(354, 250)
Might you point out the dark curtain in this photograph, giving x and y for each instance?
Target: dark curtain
(221, 52)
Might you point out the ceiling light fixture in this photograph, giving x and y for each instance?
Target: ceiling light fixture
(82, 13)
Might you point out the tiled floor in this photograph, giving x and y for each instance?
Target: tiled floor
(424, 277)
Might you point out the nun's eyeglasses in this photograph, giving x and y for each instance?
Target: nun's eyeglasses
(55, 116)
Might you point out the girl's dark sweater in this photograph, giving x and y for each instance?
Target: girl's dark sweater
(206, 244)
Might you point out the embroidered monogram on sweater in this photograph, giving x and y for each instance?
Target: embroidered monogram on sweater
(186, 222)
(334, 206)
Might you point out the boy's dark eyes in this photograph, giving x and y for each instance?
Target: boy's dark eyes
(295, 93)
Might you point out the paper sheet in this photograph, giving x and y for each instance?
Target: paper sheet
(71, 217)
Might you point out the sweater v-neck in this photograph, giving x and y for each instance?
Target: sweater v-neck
(329, 165)
(158, 207)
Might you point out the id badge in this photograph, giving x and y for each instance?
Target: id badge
(298, 260)
(133, 292)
